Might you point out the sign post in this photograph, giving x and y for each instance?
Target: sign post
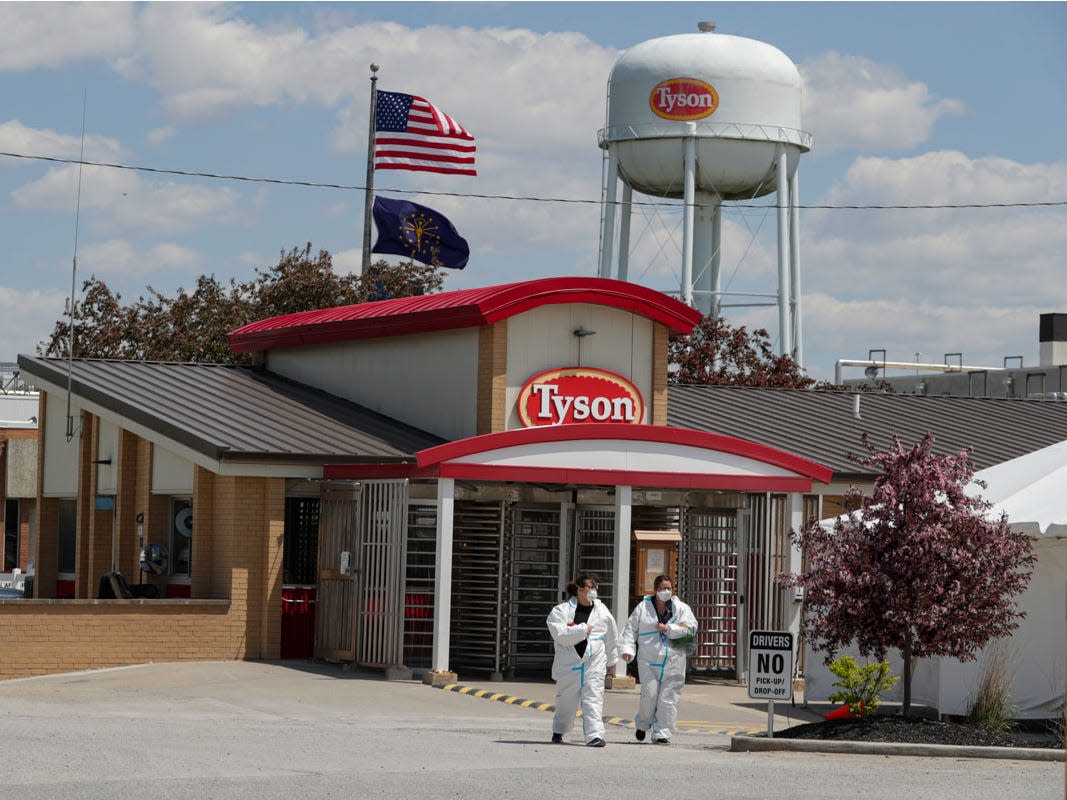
(770, 669)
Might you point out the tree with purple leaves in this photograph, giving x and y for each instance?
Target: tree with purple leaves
(917, 566)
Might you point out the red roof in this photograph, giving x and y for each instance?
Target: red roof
(459, 309)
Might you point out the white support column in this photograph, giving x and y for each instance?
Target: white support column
(442, 591)
(794, 564)
(782, 190)
(716, 258)
(621, 575)
(689, 198)
(704, 251)
(607, 233)
(794, 263)
(624, 232)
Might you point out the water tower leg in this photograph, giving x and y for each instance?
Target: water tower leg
(782, 190)
(704, 266)
(607, 231)
(690, 165)
(794, 263)
(624, 231)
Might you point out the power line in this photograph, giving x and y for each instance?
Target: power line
(527, 198)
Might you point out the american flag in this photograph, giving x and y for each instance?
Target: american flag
(411, 133)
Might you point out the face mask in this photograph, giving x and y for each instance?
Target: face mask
(591, 594)
(664, 595)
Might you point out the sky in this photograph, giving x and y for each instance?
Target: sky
(909, 104)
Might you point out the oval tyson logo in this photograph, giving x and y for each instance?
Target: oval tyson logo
(683, 99)
(579, 395)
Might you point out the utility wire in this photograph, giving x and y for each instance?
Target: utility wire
(529, 198)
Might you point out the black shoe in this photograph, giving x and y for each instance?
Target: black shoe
(660, 741)
(557, 738)
(639, 735)
(596, 743)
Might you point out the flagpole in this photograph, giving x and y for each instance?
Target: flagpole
(368, 201)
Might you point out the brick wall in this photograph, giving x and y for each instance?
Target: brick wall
(47, 636)
(492, 377)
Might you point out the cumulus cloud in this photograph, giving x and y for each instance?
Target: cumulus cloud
(16, 137)
(49, 35)
(853, 102)
(21, 316)
(119, 257)
(160, 136)
(123, 200)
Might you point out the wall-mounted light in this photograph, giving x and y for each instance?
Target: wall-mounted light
(580, 332)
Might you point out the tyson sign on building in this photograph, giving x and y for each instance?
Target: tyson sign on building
(683, 99)
(579, 395)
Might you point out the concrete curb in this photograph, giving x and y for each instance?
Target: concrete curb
(756, 744)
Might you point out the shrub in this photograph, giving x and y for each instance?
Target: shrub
(861, 687)
(992, 708)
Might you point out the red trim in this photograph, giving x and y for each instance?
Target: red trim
(617, 477)
(450, 451)
(459, 309)
(376, 471)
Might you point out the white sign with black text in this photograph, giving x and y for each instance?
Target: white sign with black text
(770, 665)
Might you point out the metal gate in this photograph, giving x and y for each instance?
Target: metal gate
(476, 631)
(709, 581)
(383, 537)
(594, 547)
(533, 586)
(419, 574)
(335, 620)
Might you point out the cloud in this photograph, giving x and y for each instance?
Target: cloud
(121, 200)
(49, 35)
(21, 316)
(18, 138)
(851, 102)
(160, 136)
(348, 262)
(119, 257)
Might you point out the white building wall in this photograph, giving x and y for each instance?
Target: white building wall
(171, 474)
(426, 380)
(60, 456)
(544, 339)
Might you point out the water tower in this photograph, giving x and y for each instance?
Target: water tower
(706, 118)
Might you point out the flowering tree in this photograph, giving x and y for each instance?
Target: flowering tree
(192, 325)
(917, 566)
(716, 354)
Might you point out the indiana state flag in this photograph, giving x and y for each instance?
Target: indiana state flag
(418, 232)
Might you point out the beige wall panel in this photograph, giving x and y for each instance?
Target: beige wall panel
(60, 456)
(544, 339)
(21, 468)
(107, 449)
(429, 380)
(171, 474)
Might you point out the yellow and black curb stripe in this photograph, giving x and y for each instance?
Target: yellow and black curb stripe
(684, 726)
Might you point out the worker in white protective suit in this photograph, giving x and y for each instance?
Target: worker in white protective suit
(585, 637)
(659, 632)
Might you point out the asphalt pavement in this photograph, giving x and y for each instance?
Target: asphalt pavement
(260, 731)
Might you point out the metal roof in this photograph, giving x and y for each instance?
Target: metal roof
(823, 427)
(236, 413)
(459, 309)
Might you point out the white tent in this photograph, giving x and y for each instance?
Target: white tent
(1032, 491)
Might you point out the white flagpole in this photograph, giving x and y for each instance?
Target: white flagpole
(368, 201)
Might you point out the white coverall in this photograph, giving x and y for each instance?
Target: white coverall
(660, 665)
(581, 680)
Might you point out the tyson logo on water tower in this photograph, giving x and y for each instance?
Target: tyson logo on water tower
(579, 395)
(683, 99)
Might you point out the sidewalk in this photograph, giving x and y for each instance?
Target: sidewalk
(707, 705)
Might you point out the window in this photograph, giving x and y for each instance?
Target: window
(181, 536)
(11, 535)
(67, 535)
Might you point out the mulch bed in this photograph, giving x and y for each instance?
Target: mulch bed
(914, 730)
